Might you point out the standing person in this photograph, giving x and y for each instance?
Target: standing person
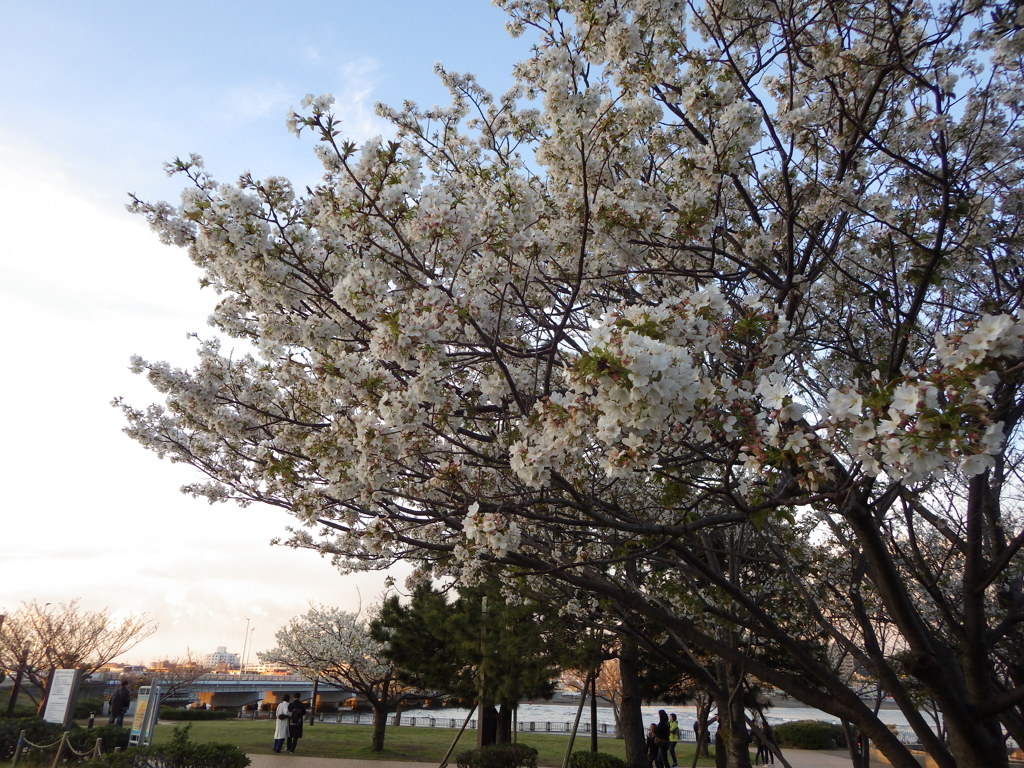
(761, 758)
(652, 747)
(770, 747)
(673, 738)
(296, 714)
(119, 703)
(661, 737)
(281, 724)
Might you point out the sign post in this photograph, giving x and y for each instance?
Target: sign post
(60, 701)
(147, 709)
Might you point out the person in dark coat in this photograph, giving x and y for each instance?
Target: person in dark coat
(661, 734)
(120, 701)
(652, 747)
(296, 715)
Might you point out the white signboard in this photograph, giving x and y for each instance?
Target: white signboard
(60, 702)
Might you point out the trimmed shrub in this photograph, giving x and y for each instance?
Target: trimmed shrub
(595, 760)
(39, 732)
(36, 731)
(180, 753)
(88, 705)
(499, 756)
(174, 713)
(113, 736)
(810, 734)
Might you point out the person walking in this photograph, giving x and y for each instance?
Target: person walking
(296, 715)
(673, 738)
(120, 701)
(281, 724)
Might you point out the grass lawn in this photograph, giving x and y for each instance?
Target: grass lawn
(427, 745)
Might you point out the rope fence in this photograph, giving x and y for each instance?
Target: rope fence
(24, 746)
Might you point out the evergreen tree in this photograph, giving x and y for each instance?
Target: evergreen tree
(477, 648)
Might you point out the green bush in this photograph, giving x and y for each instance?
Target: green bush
(499, 756)
(595, 760)
(36, 731)
(88, 705)
(113, 736)
(180, 753)
(810, 734)
(39, 732)
(174, 713)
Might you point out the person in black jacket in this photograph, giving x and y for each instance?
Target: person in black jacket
(296, 713)
(652, 747)
(119, 703)
(661, 733)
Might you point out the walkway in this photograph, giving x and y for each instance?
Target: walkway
(798, 758)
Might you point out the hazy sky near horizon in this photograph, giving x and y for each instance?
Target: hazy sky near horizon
(96, 96)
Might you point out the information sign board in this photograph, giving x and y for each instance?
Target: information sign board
(60, 701)
(147, 708)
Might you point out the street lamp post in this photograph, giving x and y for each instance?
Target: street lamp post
(245, 641)
(248, 649)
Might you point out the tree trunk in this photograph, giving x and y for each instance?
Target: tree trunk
(488, 728)
(732, 739)
(504, 724)
(632, 721)
(380, 722)
(978, 743)
(703, 705)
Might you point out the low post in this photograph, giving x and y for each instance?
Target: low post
(17, 748)
(60, 751)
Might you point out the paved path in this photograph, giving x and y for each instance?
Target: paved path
(798, 758)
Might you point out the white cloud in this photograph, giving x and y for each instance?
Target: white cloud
(88, 513)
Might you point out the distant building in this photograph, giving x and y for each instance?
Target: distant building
(221, 659)
(263, 668)
(114, 671)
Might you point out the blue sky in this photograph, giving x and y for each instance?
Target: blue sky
(95, 97)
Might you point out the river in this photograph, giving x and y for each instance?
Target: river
(565, 712)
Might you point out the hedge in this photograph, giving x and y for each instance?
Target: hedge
(810, 734)
(180, 753)
(40, 732)
(595, 760)
(175, 713)
(499, 756)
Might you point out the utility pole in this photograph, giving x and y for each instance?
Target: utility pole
(245, 643)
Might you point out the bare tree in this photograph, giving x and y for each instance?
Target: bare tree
(65, 636)
(176, 676)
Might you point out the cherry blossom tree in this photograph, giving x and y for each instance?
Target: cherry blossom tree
(336, 646)
(707, 266)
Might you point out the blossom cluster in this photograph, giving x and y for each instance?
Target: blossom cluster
(489, 530)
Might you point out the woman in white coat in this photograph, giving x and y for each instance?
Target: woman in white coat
(281, 724)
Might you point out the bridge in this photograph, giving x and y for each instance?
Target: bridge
(218, 690)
